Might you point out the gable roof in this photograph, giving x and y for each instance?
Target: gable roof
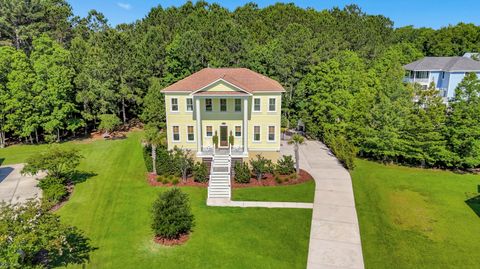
(243, 78)
(444, 64)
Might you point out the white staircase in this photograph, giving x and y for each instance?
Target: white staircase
(219, 184)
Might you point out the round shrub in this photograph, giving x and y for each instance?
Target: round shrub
(172, 215)
(200, 172)
(242, 172)
(285, 165)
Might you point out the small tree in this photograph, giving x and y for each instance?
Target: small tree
(200, 172)
(285, 165)
(108, 123)
(183, 161)
(297, 140)
(231, 139)
(172, 215)
(57, 162)
(215, 140)
(242, 172)
(154, 137)
(261, 166)
(32, 237)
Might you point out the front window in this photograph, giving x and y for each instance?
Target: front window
(272, 105)
(189, 104)
(256, 133)
(176, 133)
(238, 105)
(223, 105)
(209, 131)
(208, 104)
(238, 131)
(174, 104)
(271, 133)
(190, 134)
(421, 74)
(256, 104)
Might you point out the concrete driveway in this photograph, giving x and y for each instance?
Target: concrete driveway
(334, 233)
(16, 188)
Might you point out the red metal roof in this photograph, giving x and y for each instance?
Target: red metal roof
(242, 78)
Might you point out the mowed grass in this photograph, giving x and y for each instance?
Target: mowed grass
(113, 208)
(416, 218)
(303, 192)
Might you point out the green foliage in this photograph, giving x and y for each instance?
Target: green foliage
(200, 172)
(242, 172)
(108, 122)
(32, 237)
(172, 215)
(261, 166)
(215, 139)
(285, 165)
(53, 189)
(57, 162)
(344, 150)
(231, 139)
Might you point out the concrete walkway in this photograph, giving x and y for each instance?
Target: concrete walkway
(229, 203)
(16, 188)
(334, 235)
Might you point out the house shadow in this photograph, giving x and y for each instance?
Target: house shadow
(4, 172)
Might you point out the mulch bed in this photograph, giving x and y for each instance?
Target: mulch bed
(152, 180)
(171, 242)
(269, 180)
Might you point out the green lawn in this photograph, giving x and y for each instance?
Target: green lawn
(113, 209)
(416, 218)
(303, 192)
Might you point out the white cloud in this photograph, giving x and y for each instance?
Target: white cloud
(125, 6)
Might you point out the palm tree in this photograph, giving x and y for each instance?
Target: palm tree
(297, 140)
(154, 137)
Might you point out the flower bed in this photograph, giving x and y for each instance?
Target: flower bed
(171, 242)
(269, 180)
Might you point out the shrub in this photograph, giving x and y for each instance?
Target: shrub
(344, 150)
(175, 181)
(53, 189)
(261, 166)
(160, 178)
(285, 165)
(57, 162)
(147, 157)
(278, 179)
(108, 123)
(172, 215)
(200, 172)
(242, 172)
(165, 181)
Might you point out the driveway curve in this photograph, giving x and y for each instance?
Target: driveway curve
(334, 234)
(15, 187)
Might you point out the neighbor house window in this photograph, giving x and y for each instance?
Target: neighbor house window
(238, 131)
(208, 104)
(209, 131)
(272, 104)
(421, 74)
(443, 75)
(256, 133)
(238, 105)
(223, 105)
(176, 133)
(190, 134)
(256, 104)
(189, 104)
(271, 133)
(174, 104)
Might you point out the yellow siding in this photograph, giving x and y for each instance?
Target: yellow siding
(264, 119)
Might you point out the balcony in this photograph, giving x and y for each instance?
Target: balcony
(233, 151)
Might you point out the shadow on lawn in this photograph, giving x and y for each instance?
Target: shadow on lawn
(474, 202)
(82, 176)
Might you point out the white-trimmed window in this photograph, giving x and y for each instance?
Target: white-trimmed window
(174, 103)
(190, 134)
(189, 104)
(238, 105)
(176, 133)
(208, 131)
(256, 104)
(208, 104)
(421, 74)
(238, 131)
(223, 105)
(271, 133)
(272, 104)
(256, 133)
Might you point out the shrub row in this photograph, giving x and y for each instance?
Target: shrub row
(260, 166)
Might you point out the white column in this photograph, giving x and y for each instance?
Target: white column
(199, 124)
(245, 125)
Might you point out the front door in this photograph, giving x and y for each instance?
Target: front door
(223, 136)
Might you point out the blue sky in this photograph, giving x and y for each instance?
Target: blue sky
(420, 13)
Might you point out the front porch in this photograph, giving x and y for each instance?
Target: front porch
(233, 151)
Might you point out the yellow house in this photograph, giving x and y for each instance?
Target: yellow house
(228, 103)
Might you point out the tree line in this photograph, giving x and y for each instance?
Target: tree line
(341, 68)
